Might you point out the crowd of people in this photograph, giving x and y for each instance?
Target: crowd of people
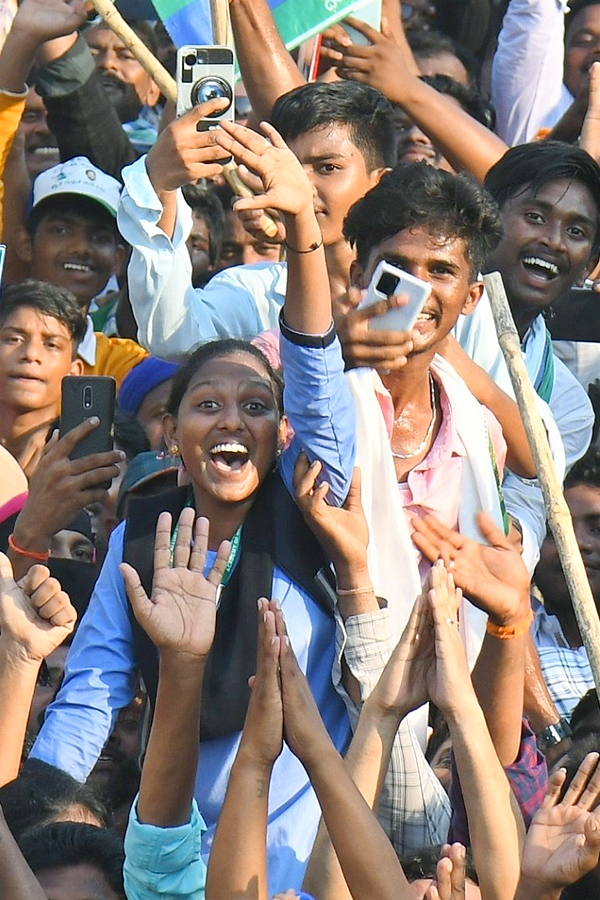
(304, 630)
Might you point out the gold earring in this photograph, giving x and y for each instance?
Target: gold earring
(175, 450)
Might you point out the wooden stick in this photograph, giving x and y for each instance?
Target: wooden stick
(168, 87)
(559, 516)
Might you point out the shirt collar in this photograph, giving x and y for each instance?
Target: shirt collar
(87, 348)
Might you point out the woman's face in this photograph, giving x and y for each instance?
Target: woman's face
(227, 428)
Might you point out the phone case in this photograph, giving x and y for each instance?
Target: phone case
(403, 318)
(84, 396)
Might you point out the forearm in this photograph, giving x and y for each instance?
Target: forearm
(238, 859)
(308, 298)
(568, 128)
(495, 823)
(17, 881)
(519, 457)
(367, 859)
(268, 70)
(539, 705)
(16, 60)
(498, 678)
(18, 679)
(465, 143)
(171, 761)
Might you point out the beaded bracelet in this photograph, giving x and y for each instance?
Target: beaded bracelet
(30, 554)
(507, 632)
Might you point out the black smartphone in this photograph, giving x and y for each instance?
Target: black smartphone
(84, 396)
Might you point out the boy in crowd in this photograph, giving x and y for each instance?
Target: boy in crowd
(40, 328)
(71, 240)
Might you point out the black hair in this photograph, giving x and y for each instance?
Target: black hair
(365, 111)
(428, 43)
(532, 166)
(415, 195)
(75, 204)
(213, 350)
(470, 98)
(574, 8)
(142, 28)
(42, 794)
(582, 743)
(586, 470)
(73, 843)
(130, 436)
(423, 864)
(205, 202)
(586, 715)
(48, 299)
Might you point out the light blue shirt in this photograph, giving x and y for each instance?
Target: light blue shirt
(100, 669)
(164, 863)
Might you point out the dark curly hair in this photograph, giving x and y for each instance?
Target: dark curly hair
(364, 110)
(415, 195)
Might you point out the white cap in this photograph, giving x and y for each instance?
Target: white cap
(78, 176)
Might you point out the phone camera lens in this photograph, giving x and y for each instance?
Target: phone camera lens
(212, 88)
(87, 397)
(387, 284)
(190, 60)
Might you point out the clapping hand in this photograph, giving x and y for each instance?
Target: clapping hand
(180, 614)
(563, 841)
(492, 575)
(36, 615)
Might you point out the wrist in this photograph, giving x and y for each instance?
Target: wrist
(16, 657)
(30, 538)
(513, 616)
(531, 889)
(352, 575)
(181, 665)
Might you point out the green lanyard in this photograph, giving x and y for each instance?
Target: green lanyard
(233, 553)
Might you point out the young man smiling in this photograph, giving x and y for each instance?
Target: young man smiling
(71, 240)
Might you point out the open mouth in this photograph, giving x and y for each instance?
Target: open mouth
(540, 268)
(425, 320)
(229, 457)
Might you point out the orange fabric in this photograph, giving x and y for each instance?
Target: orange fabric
(11, 110)
(115, 356)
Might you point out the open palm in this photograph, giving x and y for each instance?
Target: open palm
(563, 842)
(181, 612)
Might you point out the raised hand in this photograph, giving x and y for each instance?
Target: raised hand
(47, 19)
(342, 531)
(180, 615)
(36, 615)
(363, 344)
(450, 875)
(182, 154)
(61, 487)
(262, 738)
(563, 841)
(285, 185)
(590, 132)
(448, 677)
(492, 575)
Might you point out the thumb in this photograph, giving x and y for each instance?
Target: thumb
(138, 597)
(592, 832)
(492, 534)
(6, 570)
(353, 501)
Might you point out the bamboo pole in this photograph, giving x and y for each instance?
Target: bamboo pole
(168, 87)
(559, 516)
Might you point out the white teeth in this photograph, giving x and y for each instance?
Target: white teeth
(46, 151)
(232, 447)
(541, 263)
(76, 267)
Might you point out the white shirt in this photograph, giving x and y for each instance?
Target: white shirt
(527, 71)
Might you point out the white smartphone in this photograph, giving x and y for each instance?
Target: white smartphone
(388, 281)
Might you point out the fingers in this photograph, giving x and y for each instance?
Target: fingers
(219, 567)
(204, 110)
(443, 878)
(162, 542)
(268, 640)
(577, 793)
(591, 830)
(591, 794)
(305, 476)
(555, 784)
(492, 534)
(183, 542)
(458, 856)
(140, 602)
(6, 569)
(49, 600)
(197, 560)
(370, 33)
(353, 500)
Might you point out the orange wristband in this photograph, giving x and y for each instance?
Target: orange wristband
(507, 632)
(39, 557)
